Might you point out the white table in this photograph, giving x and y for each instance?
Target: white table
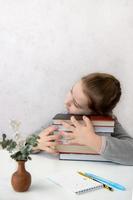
(42, 189)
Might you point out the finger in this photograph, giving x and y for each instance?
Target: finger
(50, 144)
(42, 145)
(43, 141)
(68, 126)
(75, 122)
(87, 121)
(60, 122)
(67, 135)
(52, 137)
(73, 141)
(50, 150)
(48, 130)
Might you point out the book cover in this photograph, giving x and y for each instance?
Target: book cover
(81, 157)
(64, 148)
(96, 120)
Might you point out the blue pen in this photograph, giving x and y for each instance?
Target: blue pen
(103, 180)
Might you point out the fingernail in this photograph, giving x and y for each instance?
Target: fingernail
(61, 132)
(55, 127)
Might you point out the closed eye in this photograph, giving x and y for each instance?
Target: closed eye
(74, 101)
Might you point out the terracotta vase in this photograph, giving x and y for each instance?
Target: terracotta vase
(21, 179)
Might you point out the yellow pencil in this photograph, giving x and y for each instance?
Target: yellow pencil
(104, 185)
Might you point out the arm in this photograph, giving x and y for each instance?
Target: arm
(118, 146)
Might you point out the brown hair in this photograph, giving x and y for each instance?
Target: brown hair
(103, 90)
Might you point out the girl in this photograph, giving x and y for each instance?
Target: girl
(96, 93)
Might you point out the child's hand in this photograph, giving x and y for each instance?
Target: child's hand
(47, 141)
(83, 134)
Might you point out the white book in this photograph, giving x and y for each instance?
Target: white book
(76, 184)
(83, 157)
(98, 129)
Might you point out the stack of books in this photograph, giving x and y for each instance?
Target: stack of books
(103, 125)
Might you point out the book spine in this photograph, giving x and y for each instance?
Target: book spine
(95, 123)
(98, 129)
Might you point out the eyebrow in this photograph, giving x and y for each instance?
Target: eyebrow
(74, 99)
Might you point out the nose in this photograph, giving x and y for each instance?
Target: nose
(68, 100)
(68, 104)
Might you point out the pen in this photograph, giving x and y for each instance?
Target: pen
(104, 185)
(105, 181)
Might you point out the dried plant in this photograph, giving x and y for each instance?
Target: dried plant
(19, 147)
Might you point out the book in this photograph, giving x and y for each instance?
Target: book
(98, 129)
(76, 184)
(81, 157)
(103, 129)
(97, 120)
(82, 149)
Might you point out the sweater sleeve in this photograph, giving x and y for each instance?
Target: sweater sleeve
(118, 147)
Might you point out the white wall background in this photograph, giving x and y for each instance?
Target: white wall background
(47, 45)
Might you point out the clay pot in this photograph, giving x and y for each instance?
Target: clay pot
(21, 179)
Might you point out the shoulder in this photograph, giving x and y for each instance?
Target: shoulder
(119, 130)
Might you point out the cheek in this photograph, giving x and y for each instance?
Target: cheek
(74, 110)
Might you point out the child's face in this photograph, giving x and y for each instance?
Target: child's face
(76, 101)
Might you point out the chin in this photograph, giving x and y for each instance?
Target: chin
(70, 112)
(73, 113)
(67, 110)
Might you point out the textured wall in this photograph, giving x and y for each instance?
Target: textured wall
(46, 45)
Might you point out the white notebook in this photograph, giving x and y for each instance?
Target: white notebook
(74, 182)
